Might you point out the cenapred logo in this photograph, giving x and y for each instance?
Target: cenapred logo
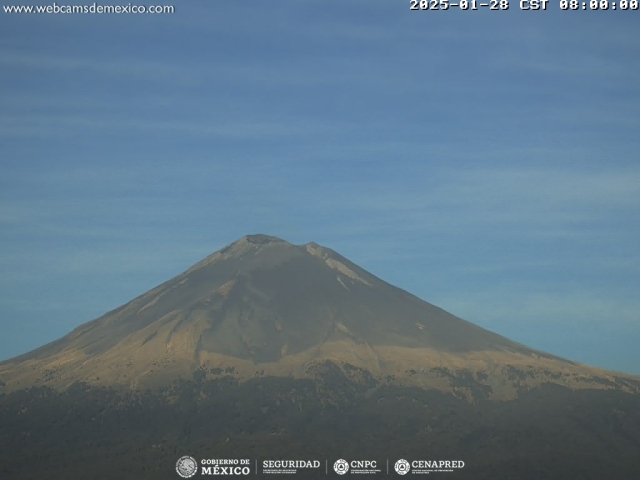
(402, 467)
(187, 466)
(341, 466)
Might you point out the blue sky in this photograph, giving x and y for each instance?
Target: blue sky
(488, 162)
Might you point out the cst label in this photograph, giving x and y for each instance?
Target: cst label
(533, 4)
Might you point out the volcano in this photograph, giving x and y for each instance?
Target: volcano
(262, 306)
(268, 350)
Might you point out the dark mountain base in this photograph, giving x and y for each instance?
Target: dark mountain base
(100, 433)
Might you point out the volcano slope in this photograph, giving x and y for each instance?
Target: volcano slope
(266, 349)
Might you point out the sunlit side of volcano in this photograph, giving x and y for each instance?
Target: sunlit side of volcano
(264, 307)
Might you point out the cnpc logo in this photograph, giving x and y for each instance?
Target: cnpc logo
(342, 466)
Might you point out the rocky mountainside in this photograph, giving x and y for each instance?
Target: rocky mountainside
(267, 350)
(264, 307)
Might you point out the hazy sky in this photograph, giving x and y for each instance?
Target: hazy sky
(486, 161)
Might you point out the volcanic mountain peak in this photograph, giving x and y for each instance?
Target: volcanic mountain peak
(262, 306)
(247, 244)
